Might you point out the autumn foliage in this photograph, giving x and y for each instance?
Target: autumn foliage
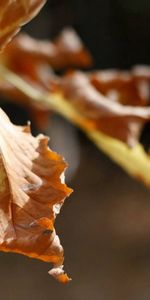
(31, 192)
(110, 106)
(32, 188)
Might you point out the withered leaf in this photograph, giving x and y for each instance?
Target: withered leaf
(32, 191)
(126, 87)
(25, 55)
(32, 60)
(70, 51)
(123, 122)
(14, 14)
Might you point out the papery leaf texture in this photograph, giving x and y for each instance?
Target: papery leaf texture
(14, 14)
(32, 191)
(123, 122)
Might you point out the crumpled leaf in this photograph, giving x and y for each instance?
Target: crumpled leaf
(32, 191)
(14, 14)
(123, 122)
(70, 51)
(32, 60)
(128, 88)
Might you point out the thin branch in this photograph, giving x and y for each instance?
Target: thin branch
(134, 160)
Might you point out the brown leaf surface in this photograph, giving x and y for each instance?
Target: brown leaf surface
(123, 122)
(26, 55)
(126, 87)
(31, 192)
(14, 14)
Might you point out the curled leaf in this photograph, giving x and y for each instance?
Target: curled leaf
(32, 60)
(128, 88)
(123, 122)
(70, 51)
(32, 191)
(66, 50)
(14, 14)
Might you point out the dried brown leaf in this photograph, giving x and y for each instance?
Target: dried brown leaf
(128, 88)
(123, 122)
(31, 192)
(32, 60)
(14, 14)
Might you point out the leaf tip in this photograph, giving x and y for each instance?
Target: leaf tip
(59, 274)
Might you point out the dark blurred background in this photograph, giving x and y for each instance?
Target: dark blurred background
(105, 225)
(117, 32)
